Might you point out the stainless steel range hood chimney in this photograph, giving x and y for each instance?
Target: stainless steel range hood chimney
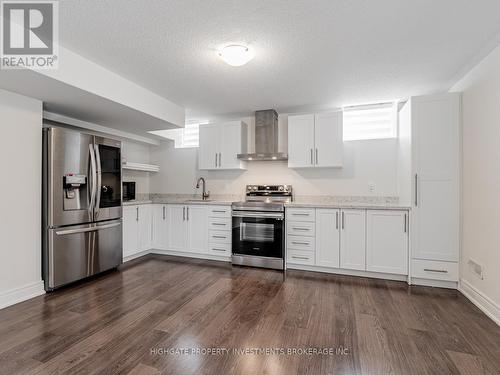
(266, 138)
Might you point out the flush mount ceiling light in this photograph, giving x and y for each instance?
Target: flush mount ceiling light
(236, 54)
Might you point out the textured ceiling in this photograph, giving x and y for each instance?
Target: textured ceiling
(310, 54)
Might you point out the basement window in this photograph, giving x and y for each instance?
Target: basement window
(187, 137)
(374, 121)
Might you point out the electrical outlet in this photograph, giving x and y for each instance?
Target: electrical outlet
(476, 268)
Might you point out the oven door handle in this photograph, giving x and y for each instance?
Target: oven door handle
(263, 215)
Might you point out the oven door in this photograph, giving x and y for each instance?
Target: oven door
(259, 234)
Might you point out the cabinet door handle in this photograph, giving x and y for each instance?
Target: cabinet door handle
(137, 214)
(311, 156)
(316, 156)
(300, 214)
(301, 258)
(220, 159)
(337, 220)
(343, 220)
(187, 213)
(438, 271)
(416, 190)
(219, 237)
(220, 224)
(299, 228)
(163, 212)
(221, 250)
(183, 213)
(300, 243)
(405, 224)
(219, 211)
(216, 160)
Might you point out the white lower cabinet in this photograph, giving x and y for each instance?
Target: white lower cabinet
(328, 237)
(136, 229)
(197, 229)
(188, 228)
(387, 241)
(177, 228)
(353, 240)
(160, 226)
(349, 239)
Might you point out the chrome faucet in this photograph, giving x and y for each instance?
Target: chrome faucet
(204, 194)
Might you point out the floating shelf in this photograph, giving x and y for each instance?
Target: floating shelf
(141, 167)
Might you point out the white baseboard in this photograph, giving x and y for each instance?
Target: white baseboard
(13, 296)
(190, 255)
(484, 303)
(136, 255)
(338, 271)
(434, 283)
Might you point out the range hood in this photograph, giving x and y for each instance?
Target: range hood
(266, 138)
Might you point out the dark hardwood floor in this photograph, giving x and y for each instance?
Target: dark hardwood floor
(124, 322)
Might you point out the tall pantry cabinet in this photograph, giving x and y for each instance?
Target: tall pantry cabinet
(430, 126)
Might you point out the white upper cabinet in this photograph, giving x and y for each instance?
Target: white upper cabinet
(435, 129)
(328, 131)
(353, 240)
(301, 141)
(220, 144)
(315, 141)
(387, 241)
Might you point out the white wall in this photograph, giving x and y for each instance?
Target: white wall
(20, 188)
(365, 162)
(137, 153)
(481, 176)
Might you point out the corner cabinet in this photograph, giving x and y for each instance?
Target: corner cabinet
(315, 140)
(220, 144)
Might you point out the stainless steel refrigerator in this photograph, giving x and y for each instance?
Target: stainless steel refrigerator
(82, 206)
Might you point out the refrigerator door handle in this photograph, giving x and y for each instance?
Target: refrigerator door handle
(93, 182)
(99, 181)
(89, 229)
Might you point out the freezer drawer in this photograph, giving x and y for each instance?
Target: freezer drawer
(80, 251)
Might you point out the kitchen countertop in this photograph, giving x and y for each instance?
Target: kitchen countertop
(360, 205)
(374, 203)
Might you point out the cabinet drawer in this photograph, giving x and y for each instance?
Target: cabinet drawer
(300, 257)
(220, 249)
(300, 243)
(218, 236)
(297, 228)
(301, 214)
(219, 223)
(219, 211)
(434, 270)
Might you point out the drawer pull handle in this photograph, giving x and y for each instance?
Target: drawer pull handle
(299, 214)
(219, 237)
(300, 243)
(219, 211)
(218, 249)
(219, 224)
(431, 270)
(301, 258)
(297, 228)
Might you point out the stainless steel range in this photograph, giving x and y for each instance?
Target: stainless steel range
(259, 226)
